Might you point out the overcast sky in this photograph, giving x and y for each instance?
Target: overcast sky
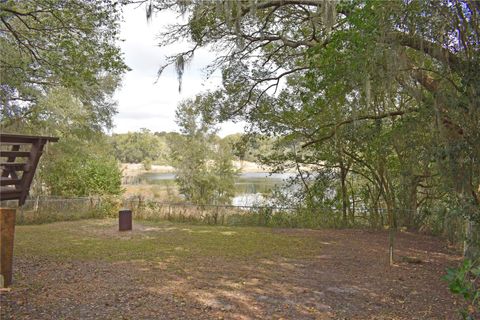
(142, 103)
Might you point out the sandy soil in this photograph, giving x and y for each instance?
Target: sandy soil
(133, 169)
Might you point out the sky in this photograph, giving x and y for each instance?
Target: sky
(144, 103)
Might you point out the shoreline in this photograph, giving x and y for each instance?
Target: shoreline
(135, 169)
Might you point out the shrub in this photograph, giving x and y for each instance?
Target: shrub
(464, 281)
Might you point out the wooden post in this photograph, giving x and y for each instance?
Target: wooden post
(7, 230)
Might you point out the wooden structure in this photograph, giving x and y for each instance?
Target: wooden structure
(19, 156)
(7, 230)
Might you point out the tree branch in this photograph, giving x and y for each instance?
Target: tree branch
(350, 120)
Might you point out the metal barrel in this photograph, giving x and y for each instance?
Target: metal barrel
(125, 220)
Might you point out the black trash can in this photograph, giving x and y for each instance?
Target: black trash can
(125, 220)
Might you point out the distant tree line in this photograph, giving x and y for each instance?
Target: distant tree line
(147, 147)
(140, 147)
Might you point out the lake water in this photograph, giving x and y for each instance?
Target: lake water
(250, 188)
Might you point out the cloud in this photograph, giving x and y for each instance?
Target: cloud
(142, 103)
(135, 116)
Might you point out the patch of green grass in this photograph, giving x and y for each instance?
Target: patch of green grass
(100, 240)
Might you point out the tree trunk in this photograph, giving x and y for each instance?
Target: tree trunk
(376, 218)
(409, 202)
(391, 229)
(343, 178)
(471, 247)
(376, 221)
(352, 209)
(471, 201)
(412, 208)
(410, 205)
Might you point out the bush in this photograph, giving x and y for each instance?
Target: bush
(464, 281)
(108, 206)
(147, 164)
(79, 176)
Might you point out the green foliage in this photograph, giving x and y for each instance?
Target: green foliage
(465, 282)
(381, 97)
(74, 168)
(147, 164)
(140, 147)
(203, 164)
(39, 210)
(81, 163)
(60, 67)
(249, 147)
(57, 44)
(108, 206)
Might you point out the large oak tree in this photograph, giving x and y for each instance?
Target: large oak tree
(310, 68)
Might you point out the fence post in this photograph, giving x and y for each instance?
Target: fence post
(22, 214)
(35, 205)
(140, 203)
(7, 231)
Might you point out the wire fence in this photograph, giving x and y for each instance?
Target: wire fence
(49, 209)
(207, 213)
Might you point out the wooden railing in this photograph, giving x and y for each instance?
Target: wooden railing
(19, 156)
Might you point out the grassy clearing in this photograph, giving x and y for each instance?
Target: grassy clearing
(100, 240)
(86, 269)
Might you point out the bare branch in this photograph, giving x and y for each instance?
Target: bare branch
(350, 120)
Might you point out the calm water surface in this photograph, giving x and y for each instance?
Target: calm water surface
(250, 188)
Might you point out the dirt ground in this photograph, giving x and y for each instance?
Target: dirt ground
(176, 271)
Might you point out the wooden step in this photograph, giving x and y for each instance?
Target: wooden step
(9, 181)
(14, 154)
(17, 166)
(13, 195)
(9, 193)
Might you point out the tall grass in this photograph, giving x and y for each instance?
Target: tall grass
(44, 210)
(40, 210)
(204, 214)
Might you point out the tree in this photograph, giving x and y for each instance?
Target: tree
(76, 167)
(137, 147)
(60, 66)
(203, 164)
(351, 64)
(47, 45)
